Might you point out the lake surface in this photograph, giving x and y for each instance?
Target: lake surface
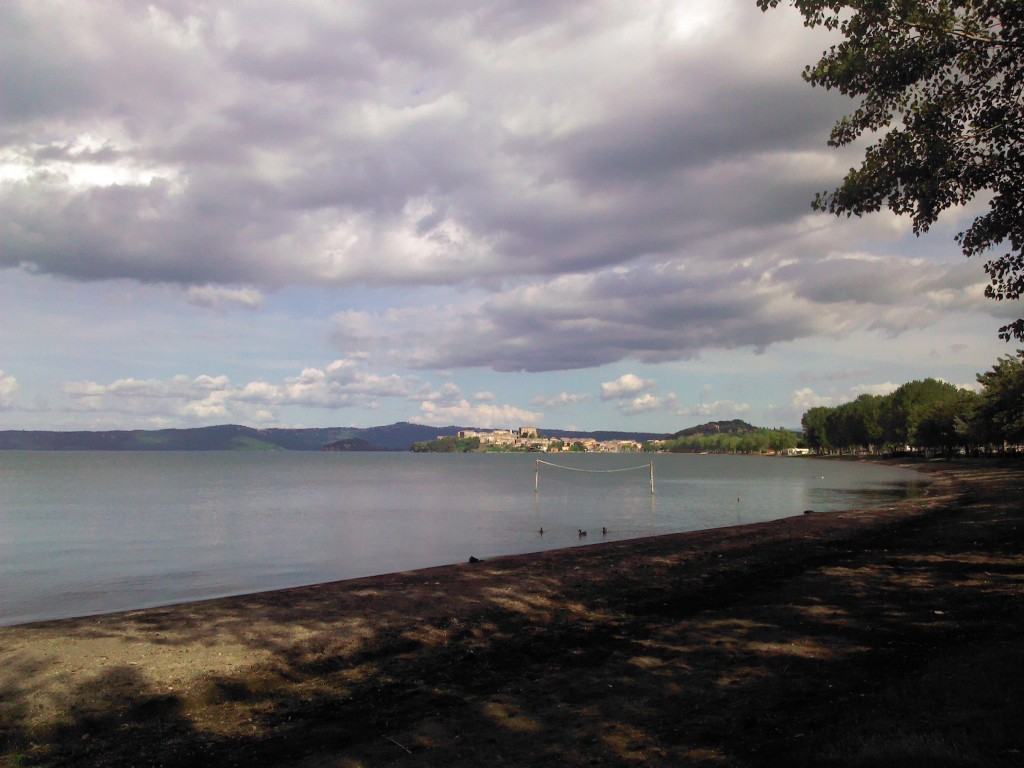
(94, 532)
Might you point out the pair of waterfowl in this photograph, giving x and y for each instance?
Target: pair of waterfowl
(579, 532)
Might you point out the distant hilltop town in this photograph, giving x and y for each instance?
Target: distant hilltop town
(714, 437)
(529, 439)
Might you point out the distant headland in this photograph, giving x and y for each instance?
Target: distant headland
(401, 436)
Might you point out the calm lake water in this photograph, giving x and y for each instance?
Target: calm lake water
(95, 532)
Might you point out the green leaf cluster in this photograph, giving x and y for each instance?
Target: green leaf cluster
(939, 86)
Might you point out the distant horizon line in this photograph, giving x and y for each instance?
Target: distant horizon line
(384, 426)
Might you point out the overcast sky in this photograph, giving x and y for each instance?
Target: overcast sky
(570, 215)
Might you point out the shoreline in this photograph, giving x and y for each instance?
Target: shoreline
(248, 599)
(571, 656)
(168, 582)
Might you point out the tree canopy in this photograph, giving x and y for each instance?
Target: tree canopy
(928, 414)
(919, 414)
(940, 85)
(752, 440)
(1001, 411)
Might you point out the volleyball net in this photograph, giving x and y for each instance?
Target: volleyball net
(536, 477)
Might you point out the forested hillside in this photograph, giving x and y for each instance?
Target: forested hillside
(734, 436)
(229, 437)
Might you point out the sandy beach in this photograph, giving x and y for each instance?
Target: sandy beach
(875, 637)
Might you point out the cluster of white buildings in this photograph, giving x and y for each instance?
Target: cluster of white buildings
(528, 439)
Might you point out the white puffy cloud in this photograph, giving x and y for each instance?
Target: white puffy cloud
(634, 395)
(213, 407)
(8, 390)
(644, 402)
(716, 410)
(885, 388)
(806, 398)
(560, 400)
(626, 385)
(178, 387)
(449, 395)
(340, 385)
(204, 398)
(221, 297)
(464, 413)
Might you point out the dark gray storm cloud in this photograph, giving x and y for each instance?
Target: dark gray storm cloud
(607, 180)
(249, 143)
(649, 313)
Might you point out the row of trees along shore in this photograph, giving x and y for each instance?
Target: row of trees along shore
(750, 440)
(928, 416)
